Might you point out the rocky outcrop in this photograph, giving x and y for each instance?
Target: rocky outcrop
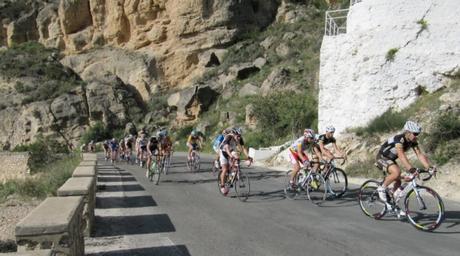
(179, 35)
(391, 52)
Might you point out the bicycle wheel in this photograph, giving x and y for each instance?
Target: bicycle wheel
(163, 168)
(369, 200)
(337, 182)
(316, 188)
(289, 192)
(155, 174)
(242, 186)
(196, 164)
(425, 209)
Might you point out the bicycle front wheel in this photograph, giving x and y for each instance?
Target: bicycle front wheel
(424, 208)
(196, 164)
(316, 188)
(219, 183)
(242, 186)
(291, 192)
(369, 200)
(337, 182)
(154, 173)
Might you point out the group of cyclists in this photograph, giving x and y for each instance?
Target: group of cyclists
(145, 149)
(230, 141)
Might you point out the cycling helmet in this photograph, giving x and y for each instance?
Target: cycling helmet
(159, 134)
(309, 133)
(237, 131)
(413, 127)
(330, 128)
(193, 133)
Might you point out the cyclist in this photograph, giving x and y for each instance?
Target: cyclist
(193, 142)
(122, 149)
(114, 149)
(129, 141)
(142, 149)
(152, 148)
(216, 146)
(394, 148)
(232, 142)
(91, 147)
(297, 153)
(165, 143)
(328, 138)
(105, 146)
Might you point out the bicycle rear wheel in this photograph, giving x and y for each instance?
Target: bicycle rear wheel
(242, 186)
(369, 200)
(290, 192)
(337, 182)
(196, 165)
(154, 173)
(425, 209)
(316, 188)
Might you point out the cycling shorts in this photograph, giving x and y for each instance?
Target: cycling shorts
(383, 162)
(223, 157)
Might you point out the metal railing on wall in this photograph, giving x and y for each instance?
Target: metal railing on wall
(352, 2)
(336, 22)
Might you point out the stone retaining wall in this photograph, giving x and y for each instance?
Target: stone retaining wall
(13, 165)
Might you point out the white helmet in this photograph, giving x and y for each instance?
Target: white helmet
(309, 133)
(330, 128)
(412, 127)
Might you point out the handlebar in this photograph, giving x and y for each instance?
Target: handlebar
(419, 173)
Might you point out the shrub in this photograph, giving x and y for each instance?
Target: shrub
(388, 121)
(283, 114)
(42, 152)
(423, 25)
(364, 168)
(97, 132)
(390, 56)
(51, 177)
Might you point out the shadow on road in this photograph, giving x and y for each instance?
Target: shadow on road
(119, 188)
(175, 250)
(263, 196)
(116, 179)
(349, 199)
(124, 202)
(131, 225)
(450, 224)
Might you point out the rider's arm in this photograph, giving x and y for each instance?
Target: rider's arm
(301, 154)
(324, 150)
(402, 156)
(422, 157)
(318, 154)
(342, 154)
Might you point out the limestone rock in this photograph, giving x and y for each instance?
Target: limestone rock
(267, 42)
(244, 70)
(354, 66)
(260, 62)
(276, 81)
(248, 90)
(251, 119)
(74, 15)
(192, 101)
(283, 50)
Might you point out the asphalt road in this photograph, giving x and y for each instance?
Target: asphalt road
(186, 215)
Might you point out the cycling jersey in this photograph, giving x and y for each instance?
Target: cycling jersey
(113, 145)
(153, 145)
(303, 144)
(193, 139)
(388, 149)
(322, 138)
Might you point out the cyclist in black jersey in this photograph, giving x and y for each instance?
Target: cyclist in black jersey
(152, 148)
(328, 138)
(394, 148)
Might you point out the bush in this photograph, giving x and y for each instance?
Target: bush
(390, 56)
(364, 168)
(441, 140)
(284, 114)
(98, 132)
(42, 152)
(388, 121)
(46, 184)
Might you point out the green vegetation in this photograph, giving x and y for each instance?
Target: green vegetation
(33, 60)
(364, 168)
(444, 140)
(45, 183)
(97, 132)
(423, 25)
(390, 56)
(43, 152)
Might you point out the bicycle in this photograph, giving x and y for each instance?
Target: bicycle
(306, 180)
(166, 162)
(235, 178)
(417, 200)
(335, 178)
(154, 170)
(193, 164)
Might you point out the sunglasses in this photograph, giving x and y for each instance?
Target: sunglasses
(415, 134)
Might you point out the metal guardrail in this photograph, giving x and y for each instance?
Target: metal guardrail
(336, 22)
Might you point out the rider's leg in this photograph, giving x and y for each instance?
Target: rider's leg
(394, 173)
(295, 167)
(190, 148)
